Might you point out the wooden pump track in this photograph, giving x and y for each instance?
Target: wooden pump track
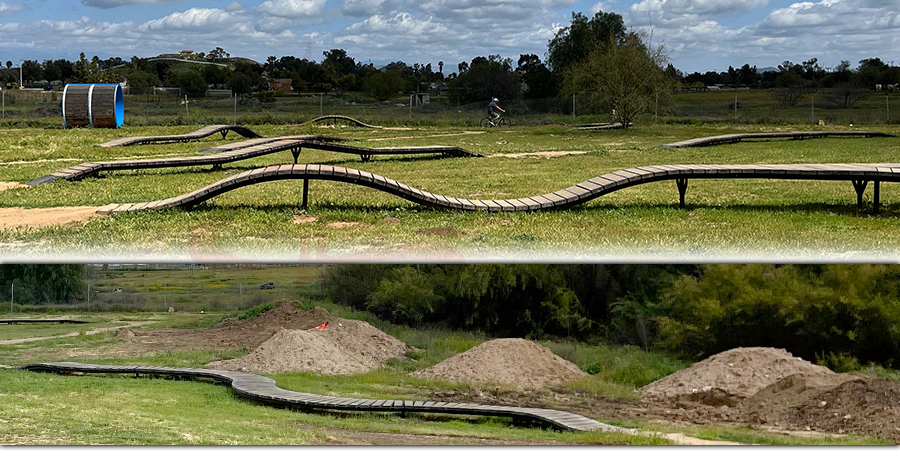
(245, 150)
(41, 321)
(858, 174)
(263, 390)
(340, 117)
(737, 137)
(187, 137)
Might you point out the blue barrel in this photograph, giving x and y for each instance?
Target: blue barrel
(97, 105)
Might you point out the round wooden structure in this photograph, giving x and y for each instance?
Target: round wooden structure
(97, 105)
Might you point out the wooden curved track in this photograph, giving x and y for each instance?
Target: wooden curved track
(263, 390)
(340, 117)
(737, 137)
(859, 174)
(195, 135)
(245, 151)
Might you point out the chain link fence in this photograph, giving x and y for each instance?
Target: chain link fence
(169, 106)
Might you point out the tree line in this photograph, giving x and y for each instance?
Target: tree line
(840, 315)
(613, 66)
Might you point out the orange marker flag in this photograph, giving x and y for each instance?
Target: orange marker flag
(322, 326)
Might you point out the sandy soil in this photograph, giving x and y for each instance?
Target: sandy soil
(515, 362)
(12, 217)
(125, 324)
(542, 154)
(4, 185)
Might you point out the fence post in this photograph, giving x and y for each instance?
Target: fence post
(4, 103)
(321, 99)
(235, 108)
(188, 110)
(410, 106)
(573, 106)
(887, 107)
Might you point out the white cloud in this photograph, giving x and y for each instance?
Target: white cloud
(121, 3)
(234, 7)
(291, 8)
(10, 8)
(194, 19)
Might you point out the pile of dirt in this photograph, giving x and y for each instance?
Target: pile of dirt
(515, 362)
(866, 406)
(343, 347)
(231, 333)
(730, 376)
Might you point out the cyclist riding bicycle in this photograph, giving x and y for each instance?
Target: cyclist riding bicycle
(492, 109)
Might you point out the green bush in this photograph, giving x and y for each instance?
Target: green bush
(256, 311)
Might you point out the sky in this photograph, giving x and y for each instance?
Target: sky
(698, 35)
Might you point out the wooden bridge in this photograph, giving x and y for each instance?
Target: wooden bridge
(737, 137)
(858, 174)
(244, 150)
(187, 137)
(264, 390)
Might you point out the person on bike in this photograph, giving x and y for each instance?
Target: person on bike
(492, 109)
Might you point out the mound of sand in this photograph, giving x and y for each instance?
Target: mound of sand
(516, 362)
(740, 372)
(343, 347)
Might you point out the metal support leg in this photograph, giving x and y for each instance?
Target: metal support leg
(305, 193)
(223, 132)
(877, 186)
(217, 167)
(682, 187)
(365, 158)
(296, 152)
(860, 187)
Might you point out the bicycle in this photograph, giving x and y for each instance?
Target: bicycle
(499, 122)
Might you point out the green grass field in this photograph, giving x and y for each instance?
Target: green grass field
(50, 409)
(724, 219)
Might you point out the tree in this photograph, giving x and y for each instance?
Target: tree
(790, 86)
(217, 53)
(485, 78)
(240, 84)
(192, 83)
(384, 85)
(628, 78)
(575, 42)
(36, 284)
(536, 76)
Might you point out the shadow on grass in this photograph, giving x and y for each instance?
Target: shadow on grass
(889, 210)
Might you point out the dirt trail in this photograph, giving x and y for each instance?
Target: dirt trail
(128, 324)
(12, 217)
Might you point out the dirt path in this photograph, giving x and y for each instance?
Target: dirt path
(4, 185)
(128, 324)
(425, 136)
(12, 217)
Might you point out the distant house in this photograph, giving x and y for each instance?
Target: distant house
(281, 85)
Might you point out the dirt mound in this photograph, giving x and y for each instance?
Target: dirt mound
(516, 362)
(343, 347)
(863, 406)
(736, 373)
(775, 404)
(231, 333)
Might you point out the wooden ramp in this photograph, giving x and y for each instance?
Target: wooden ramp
(340, 117)
(195, 135)
(737, 137)
(263, 390)
(858, 174)
(243, 151)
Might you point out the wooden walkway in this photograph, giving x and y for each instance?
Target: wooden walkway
(244, 150)
(340, 117)
(41, 321)
(263, 390)
(859, 174)
(195, 135)
(737, 137)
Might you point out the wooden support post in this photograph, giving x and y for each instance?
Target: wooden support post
(860, 186)
(877, 186)
(305, 193)
(682, 187)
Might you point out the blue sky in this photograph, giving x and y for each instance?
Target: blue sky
(699, 35)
